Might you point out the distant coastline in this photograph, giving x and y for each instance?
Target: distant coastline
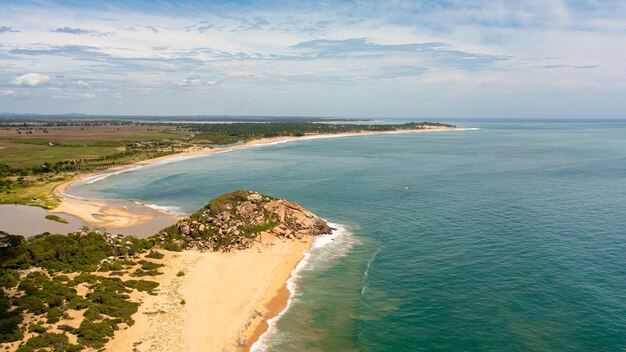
(116, 217)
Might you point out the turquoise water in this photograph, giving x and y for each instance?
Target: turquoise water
(509, 238)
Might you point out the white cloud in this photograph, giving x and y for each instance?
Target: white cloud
(14, 93)
(73, 96)
(486, 46)
(31, 80)
(195, 82)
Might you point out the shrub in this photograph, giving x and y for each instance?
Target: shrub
(54, 315)
(95, 334)
(146, 265)
(49, 341)
(142, 285)
(9, 320)
(155, 254)
(37, 328)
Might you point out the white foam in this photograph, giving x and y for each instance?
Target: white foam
(367, 270)
(336, 244)
(99, 177)
(171, 210)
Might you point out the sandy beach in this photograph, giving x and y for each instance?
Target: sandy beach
(143, 221)
(219, 304)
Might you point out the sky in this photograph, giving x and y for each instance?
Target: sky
(428, 59)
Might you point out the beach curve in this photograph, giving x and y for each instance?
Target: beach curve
(263, 309)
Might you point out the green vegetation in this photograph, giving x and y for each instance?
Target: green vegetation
(146, 265)
(48, 292)
(36, 156)
(49, 342)
(180, 273)
(224, 133)
(57, 219)
(154, 255)
(74, 252)
(219, 225)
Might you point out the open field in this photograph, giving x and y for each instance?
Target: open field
(35, 157)
(21, 147)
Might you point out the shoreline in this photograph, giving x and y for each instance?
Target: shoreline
(226, 306)
(117, 217)
(264, 302)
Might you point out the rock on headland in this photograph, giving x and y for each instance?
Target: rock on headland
(235, 220)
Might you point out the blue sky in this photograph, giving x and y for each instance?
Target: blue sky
(431, 59)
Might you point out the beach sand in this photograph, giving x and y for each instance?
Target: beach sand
(222, 303)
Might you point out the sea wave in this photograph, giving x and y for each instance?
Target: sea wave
(171, 210)
(332, 246)
(367, 270)
(99, 177)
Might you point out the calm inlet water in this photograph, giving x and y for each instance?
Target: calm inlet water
(512, 237)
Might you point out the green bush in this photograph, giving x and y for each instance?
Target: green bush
(142, 285)
(146, 265)
(9, 278)
(155, 255)
(54, 315)
(95, 334)
(9, 320)
(49, 341)
(141, 273)
(37, 328)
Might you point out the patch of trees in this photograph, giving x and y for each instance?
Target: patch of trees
(47, 291)
(222, 133)
(66, 253)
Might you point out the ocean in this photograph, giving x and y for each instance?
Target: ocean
(507, 238)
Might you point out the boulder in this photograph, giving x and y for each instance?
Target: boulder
(226, 219)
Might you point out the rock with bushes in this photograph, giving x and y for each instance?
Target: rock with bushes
(235, 220)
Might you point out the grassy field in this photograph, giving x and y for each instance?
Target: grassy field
(25, 149)
(38, 193)
(21, 148)
(21, 155)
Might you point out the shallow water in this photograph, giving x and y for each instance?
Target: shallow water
(28, 221)
(512, 237)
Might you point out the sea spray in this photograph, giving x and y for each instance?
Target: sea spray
(325, 248)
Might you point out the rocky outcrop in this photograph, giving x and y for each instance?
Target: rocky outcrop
(235, 220)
